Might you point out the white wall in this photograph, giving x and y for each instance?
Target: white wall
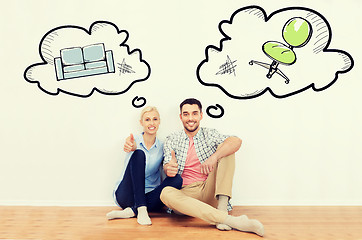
(67, 150)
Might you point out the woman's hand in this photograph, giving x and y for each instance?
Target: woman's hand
(130, 144)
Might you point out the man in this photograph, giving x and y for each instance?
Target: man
(206, 161)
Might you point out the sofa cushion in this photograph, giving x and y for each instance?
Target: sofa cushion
(97, 64)
(71, 56)
(73, 68)
(94, 53)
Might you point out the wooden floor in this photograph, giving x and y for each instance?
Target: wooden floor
(282, 223)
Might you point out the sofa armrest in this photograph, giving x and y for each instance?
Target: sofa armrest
(110, 62)
(59, 68)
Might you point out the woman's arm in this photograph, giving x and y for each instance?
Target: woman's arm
(130, 145)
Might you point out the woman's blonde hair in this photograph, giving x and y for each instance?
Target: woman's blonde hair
(148, 109)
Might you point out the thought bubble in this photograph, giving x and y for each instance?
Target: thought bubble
(139, 102)
(216, 108)
(78, 61)
(284, 53)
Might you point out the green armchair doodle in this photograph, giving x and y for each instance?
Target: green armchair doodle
(296, 33)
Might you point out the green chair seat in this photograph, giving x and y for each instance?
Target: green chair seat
(279, 52)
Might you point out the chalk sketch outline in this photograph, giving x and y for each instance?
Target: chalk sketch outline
(268, 89)
(228, 67)
(277, 56)
(105, 57)
(216, 107)
(137, 99)
(95, 89)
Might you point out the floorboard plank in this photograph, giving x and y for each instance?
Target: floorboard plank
(280, 222)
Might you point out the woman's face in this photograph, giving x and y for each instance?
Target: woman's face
(150, 122)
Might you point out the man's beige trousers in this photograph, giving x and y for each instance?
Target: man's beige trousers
(199, 199)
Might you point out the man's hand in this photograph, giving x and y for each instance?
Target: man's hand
(130, 144)
(171, 167)
(209, 165)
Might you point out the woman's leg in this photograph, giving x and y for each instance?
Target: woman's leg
(154, 203)
(130, 193)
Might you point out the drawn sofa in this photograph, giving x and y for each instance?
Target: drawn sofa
(81, 62)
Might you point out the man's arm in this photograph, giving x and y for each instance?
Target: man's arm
(228, 147)
(171, 167)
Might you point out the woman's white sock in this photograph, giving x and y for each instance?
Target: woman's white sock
(125, 213)
(142, 216)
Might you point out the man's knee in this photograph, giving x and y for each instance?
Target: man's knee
(165, 193)
(229, 160)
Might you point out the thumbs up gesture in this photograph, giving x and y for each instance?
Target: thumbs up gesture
(130, 144)
(171, 167)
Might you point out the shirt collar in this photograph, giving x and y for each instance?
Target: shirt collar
(185, 136)
(197, 136)
(142, 141)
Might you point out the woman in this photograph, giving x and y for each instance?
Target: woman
(139, 188)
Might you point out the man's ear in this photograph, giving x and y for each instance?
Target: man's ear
(201, 116)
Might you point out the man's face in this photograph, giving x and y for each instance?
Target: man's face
(190, 116)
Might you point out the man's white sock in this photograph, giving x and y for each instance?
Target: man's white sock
(243, 223)
(222, 205)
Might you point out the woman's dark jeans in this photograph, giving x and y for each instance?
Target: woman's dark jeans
(131, 190)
